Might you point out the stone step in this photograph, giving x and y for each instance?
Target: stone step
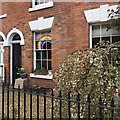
(20, 82)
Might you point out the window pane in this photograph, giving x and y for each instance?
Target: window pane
(104, 31)
(49, 45)
(49, 65)
(115, 32)
(42, 1)
(37, 2)
(44, 54)
(115, 39)
(96, 30)
(37, 45)
(37, 35)
(47, 0)
(44, 64)
(16, 37)
(95, 42)
(38, 54)
(38, 64)
(106, 39)
(49, 54)
(45, 45)
(1, 39)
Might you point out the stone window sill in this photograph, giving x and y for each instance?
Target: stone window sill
(41, 6)
(50, 77)
(3, 16)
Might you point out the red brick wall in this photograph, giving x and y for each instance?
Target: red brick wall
(42, 83)
(70, 30)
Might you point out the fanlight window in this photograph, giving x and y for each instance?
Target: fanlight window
(1, 39)
(16, 37)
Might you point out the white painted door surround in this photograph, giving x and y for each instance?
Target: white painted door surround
(10, 42)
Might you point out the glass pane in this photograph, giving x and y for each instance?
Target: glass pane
(104, 31)
(38, 64)
(16, 37)
(49, 65)
(44, 54)
(114, 31)
(45, 45)
(95, 42)
(38, 46)
(49, 45)
(106, 39)
(49, 54)
(38, 54)
(96, 30)
(47, 1)
(37, 35)
(35, 2)
(44, 64)
(42, 1)
(1, 39)
(115, 39)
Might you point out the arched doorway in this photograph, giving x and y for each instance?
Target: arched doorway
(16, 56)
(15, 39)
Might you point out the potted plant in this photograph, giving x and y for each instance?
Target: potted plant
(22, 73)
(41, 71)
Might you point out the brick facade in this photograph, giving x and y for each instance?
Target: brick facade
(70, 31)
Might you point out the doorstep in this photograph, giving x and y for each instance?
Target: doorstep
(21, 82)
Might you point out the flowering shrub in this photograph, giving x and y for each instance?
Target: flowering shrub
(114, 16)
(93, 71)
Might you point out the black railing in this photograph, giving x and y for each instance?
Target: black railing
(32, 104)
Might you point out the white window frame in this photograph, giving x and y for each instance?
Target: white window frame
(41, 5)
(34, 37)
(32, 75)
(91, 32)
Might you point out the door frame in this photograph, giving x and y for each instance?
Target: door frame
(2, 54)
(10, 43)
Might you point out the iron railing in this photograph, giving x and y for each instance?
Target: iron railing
(34, 104)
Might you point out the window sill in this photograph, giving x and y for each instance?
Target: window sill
(32, 75)
(3, 16)
(41, 6)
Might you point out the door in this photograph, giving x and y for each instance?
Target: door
(16, 60)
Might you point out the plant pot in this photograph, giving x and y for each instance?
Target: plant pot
(23, 76)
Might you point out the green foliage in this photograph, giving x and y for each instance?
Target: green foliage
(114, 16)
(94, 71)
(38, 71)
(21, 71)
